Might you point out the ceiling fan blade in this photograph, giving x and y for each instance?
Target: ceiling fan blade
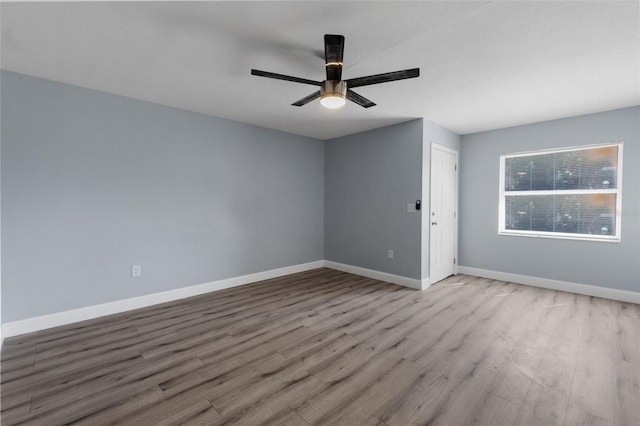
(307, 99)
(333, 53)
(383, 78)
(360, 100)
(284, 77)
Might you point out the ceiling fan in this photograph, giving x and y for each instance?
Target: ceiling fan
(334, 90)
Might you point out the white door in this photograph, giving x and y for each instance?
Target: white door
(443, 221)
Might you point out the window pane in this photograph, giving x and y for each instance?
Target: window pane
(594, 168)
(587, 169)
(529, 173)
(592, 214)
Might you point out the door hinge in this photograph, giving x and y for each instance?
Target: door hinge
(454, 260)
(455, 167)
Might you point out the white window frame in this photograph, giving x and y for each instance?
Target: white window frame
(561, 235)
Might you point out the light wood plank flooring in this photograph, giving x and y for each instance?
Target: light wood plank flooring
(326, 347)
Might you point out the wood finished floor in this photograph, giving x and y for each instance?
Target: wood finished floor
(326, 347)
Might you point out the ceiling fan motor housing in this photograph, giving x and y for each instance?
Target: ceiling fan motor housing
(333, 88)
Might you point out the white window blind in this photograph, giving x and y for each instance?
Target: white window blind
(563, 193)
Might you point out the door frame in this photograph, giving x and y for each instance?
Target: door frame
(457, 198)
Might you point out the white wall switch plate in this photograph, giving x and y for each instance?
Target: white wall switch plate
(390, 254)
(411, 207)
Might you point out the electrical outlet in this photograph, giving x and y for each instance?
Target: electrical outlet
(136, 270)
(390, 254)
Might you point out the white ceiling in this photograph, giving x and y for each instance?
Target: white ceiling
(484, 65)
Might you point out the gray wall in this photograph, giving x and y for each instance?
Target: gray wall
(369, 179)
(431, 134)
(606, 264)
(93, 183)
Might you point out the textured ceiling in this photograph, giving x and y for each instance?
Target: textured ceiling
(484, 65)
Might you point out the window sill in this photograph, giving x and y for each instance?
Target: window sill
(558, 236)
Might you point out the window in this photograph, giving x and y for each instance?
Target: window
(562, 193)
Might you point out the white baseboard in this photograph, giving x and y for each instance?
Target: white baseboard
(585, 289)
(43, 322)
(28, 325)
(377, 275)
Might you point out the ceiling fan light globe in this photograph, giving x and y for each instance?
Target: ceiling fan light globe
(333, 101)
